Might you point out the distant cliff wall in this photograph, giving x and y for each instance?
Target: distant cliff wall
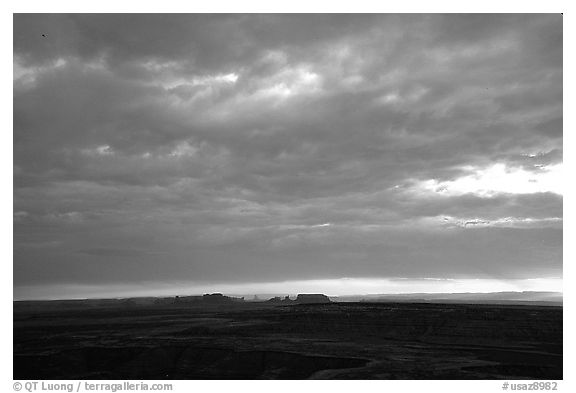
(312, 298)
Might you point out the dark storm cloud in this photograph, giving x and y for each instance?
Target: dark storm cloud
(269, 147)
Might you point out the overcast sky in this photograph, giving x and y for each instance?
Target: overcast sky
(199, 150)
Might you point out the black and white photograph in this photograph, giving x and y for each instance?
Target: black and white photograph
(287, 196)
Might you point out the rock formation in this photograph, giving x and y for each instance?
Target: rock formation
(309, 298)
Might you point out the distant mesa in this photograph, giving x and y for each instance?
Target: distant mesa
(312, 298)
(219, 298)
(279, 300)
(210, 298)
(303, 298)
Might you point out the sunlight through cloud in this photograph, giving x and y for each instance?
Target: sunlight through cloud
(497, 179)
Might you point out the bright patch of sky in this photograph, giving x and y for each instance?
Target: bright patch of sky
(499, 178)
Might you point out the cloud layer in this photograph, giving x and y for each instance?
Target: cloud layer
(242, 148)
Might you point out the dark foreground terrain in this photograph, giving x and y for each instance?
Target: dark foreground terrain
(264, 341)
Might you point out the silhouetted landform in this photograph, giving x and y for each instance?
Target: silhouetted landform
(212, 298)
(303, 298)
(312, 299)
(526, 297)
(216, 338)
(279, 300)
(219, 298)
